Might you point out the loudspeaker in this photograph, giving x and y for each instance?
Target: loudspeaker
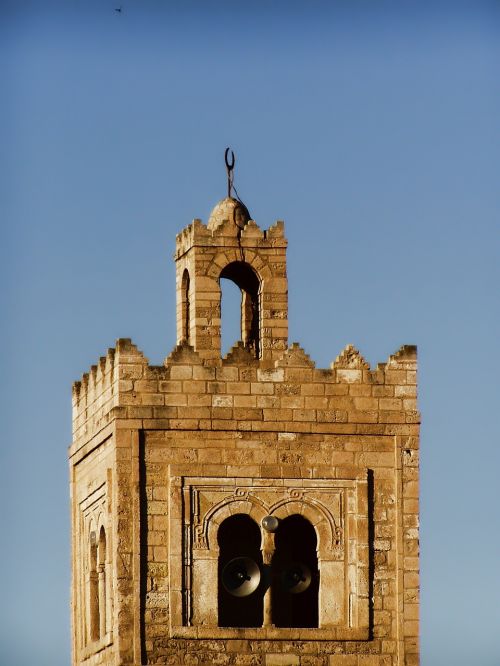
(241, 576)
(296, 578)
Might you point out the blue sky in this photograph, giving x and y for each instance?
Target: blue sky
(371, 128)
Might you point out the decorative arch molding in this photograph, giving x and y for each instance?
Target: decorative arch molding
(232, 255)
(328, 533)
(94, 588)
(101, 521)
(91, 531)
(241, 502)
(335, 505)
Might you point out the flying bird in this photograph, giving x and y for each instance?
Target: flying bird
(118, 9)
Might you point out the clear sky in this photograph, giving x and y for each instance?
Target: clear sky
(372, 128)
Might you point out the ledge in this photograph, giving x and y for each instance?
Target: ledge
(273, 633)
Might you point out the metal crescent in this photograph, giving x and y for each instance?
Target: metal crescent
(230, 166)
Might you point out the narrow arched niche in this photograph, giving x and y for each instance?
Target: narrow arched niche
(185, 306)
(93, 589)
(239, 536)
(230, 315)
(243, 275)
(102, 582)
(102, 547)
(295, 543)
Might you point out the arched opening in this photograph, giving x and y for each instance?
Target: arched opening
(240, 589)
(185, 306)
(102, 582)
(246, 279)
(93, 589)
(230, 315)
(295, 574)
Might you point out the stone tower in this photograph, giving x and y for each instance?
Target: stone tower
(251, 509)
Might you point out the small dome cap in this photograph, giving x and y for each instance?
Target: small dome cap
(229, 209)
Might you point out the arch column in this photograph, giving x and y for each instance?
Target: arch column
(101, 573)
(93, 587)
(268, 548)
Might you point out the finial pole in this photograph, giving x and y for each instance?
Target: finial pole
(229, 169)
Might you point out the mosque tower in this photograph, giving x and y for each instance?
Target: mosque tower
(250, 509)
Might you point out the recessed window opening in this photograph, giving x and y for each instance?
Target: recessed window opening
(186, 306)
(102, 582)
(240, 587)
(93, 589)
(295, 574)
(244, 326)
(230, 315)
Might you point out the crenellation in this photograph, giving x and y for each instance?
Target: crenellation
(350, 358)
(239, 355)
(76, 389)
(84, 383)
(406, 356)
(295, 357)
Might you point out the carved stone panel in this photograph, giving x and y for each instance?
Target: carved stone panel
(94, 581)
(337, 509)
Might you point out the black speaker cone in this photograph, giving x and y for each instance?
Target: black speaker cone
(296, 578)
(241, 576)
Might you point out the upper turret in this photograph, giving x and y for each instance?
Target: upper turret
(254, 259)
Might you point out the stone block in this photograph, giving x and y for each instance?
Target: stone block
(343, 660)
(278, 659)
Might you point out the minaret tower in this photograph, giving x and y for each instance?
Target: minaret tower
(245, 510)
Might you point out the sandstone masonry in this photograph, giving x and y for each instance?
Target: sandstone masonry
(174, 469)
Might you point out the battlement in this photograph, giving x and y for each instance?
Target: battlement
(226, 234)
(181, 392)
(97, 392)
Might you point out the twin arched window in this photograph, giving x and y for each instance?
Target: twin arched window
(97, 586)
(288, 586)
